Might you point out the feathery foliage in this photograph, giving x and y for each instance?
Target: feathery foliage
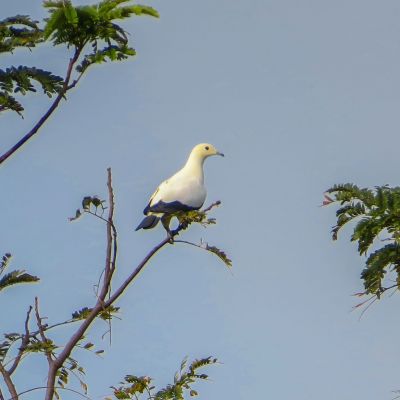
(93, 25)
(220, 254)
(15, 277)
(105, 314)
(134, 387)
(375, 215)
(76, 27)
(20, 80)
(19, 31)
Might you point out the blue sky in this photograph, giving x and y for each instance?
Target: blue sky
(299, 96)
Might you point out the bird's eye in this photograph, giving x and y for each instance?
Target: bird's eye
(207, 148)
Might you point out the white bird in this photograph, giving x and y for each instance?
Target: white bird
(184, 191)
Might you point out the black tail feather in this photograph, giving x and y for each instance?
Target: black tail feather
(148, 222)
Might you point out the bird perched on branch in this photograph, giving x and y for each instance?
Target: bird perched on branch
(184, 191)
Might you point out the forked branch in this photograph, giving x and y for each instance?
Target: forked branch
(103, 302)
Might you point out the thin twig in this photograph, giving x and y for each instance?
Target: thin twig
(1, 393)
(212, 205)
(372, 299)
(41, 331)
(75, 82)
(47, 328)
(24, 344)
(57, 387)
(192, 244)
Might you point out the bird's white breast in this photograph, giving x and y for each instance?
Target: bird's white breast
(188, 191)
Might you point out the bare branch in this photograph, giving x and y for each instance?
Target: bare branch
(373, 298)
(138, 269)
(41, 331)
(50, 111)
(110, 265)
(10, 384)
(47, 328)
(212, 205)
(200, 246)
(111, 253)
(75, 82)
(24, 344)
(1, 395)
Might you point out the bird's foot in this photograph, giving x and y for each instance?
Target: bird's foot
(170, 235)
(173, 233)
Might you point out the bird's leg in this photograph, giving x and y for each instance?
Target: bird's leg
(182, 223)
(165, 220)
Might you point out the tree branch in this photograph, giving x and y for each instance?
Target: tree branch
(111, 254)
(41, 331)
(101, 302)
(50, 111)
(24, 344)
(112, 245)
(9, 382)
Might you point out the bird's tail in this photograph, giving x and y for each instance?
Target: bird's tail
(148, 222)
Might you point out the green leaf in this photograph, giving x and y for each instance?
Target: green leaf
(16, 277)
(71, 15)
(78, 214)
(105, 314)
(8, 102)
(4, 262)
(220, 254)
(375, 215)
(78, 26)
(19, 31)
(21, 80)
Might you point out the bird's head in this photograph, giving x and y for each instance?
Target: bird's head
(204, 150)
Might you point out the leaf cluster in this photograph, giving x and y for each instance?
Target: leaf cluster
(71, 366)
(186, 218)
(19, 31)
(5, 345)
(105, 314)
(220, 254)
(375, 213)
(94, 25)
(92, 205)
(133, 387)
(76, 27)
(21, 80)
(15, 277)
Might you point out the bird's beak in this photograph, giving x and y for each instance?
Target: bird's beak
(220, 154)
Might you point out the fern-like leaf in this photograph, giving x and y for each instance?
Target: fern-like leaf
(16, 277)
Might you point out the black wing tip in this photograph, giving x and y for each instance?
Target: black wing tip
(148, 222)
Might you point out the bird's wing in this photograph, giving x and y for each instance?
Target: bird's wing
(147, 208)
(177, 194)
